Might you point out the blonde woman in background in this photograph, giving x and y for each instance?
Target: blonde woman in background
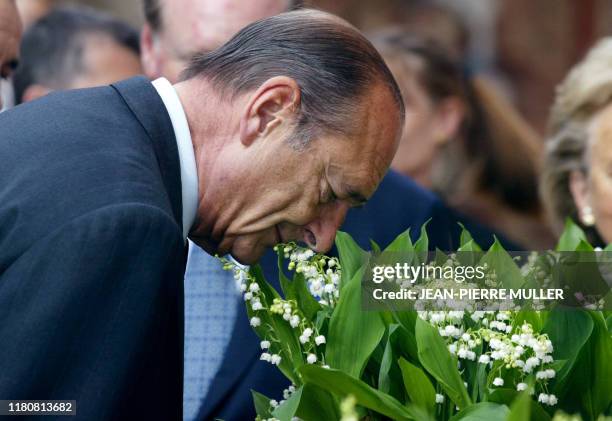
(577, 174)
(465, 142)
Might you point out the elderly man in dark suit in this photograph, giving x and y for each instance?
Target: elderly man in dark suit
(221, 352)
(100, 189)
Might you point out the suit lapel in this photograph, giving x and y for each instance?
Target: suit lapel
(143, 100)
(242, 352)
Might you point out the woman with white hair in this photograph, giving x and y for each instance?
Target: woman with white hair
(577, 176)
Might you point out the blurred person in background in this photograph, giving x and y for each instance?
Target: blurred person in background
(73, 48)
(221, 351)
(465, 142)
(175, 30)
(32, 10)
(10, 34)
(577, 180)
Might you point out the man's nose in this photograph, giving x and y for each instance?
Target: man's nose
(321, 233)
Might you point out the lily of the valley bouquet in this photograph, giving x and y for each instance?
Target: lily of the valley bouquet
(346, 363)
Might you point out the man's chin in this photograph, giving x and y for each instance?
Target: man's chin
(247, 258)
(207, 246)
(243, 252)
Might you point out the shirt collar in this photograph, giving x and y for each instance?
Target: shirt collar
(189, 175)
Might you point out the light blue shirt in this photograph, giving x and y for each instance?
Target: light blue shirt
(211, 304)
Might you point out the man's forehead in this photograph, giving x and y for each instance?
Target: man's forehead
(356, 179)
(201, 25)
(362, 158)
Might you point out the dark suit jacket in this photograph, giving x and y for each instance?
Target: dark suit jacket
(397, 205)
(91, 253)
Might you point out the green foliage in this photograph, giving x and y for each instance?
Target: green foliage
(353, 333)
(483, 411)
(289, 408)
(569, 330)
(520, 410)
(352, 257)
(396, 365)
(571, 238)
(317, 404)
(418, 387)
(262, 404)
(342, 384)
(434, 356)
(506, 269)
(273, 324)
(591, 376)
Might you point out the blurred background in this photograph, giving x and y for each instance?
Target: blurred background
(524, 46)
(478, 78)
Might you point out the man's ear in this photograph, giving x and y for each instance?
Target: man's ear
(148, 55)
(275, 102)
(450, 112)
(579, 189)
(33, 92)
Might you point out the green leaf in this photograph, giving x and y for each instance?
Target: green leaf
(268, 290)
(407, 320)
(352, 257)
(418, 387)
(341, 385)
(353, 333)
(435, 358)
(384, 381)
(530, 316)
(401, 244)
(520, 410)
(508, 273)
(262, 405)
(317, 404)
(470, 246)
(568, 330)
(483, 411)
(274, 327)
(288, 409)
(374, 246)
(286, 285)
(465, 237)
(509, 396)
(291, 353)
(422, 244)
(571, 237)
(591, 378)
(306, 302)
(584, 246)
(440, 258)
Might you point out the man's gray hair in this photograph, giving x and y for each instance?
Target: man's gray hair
(332, 63)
